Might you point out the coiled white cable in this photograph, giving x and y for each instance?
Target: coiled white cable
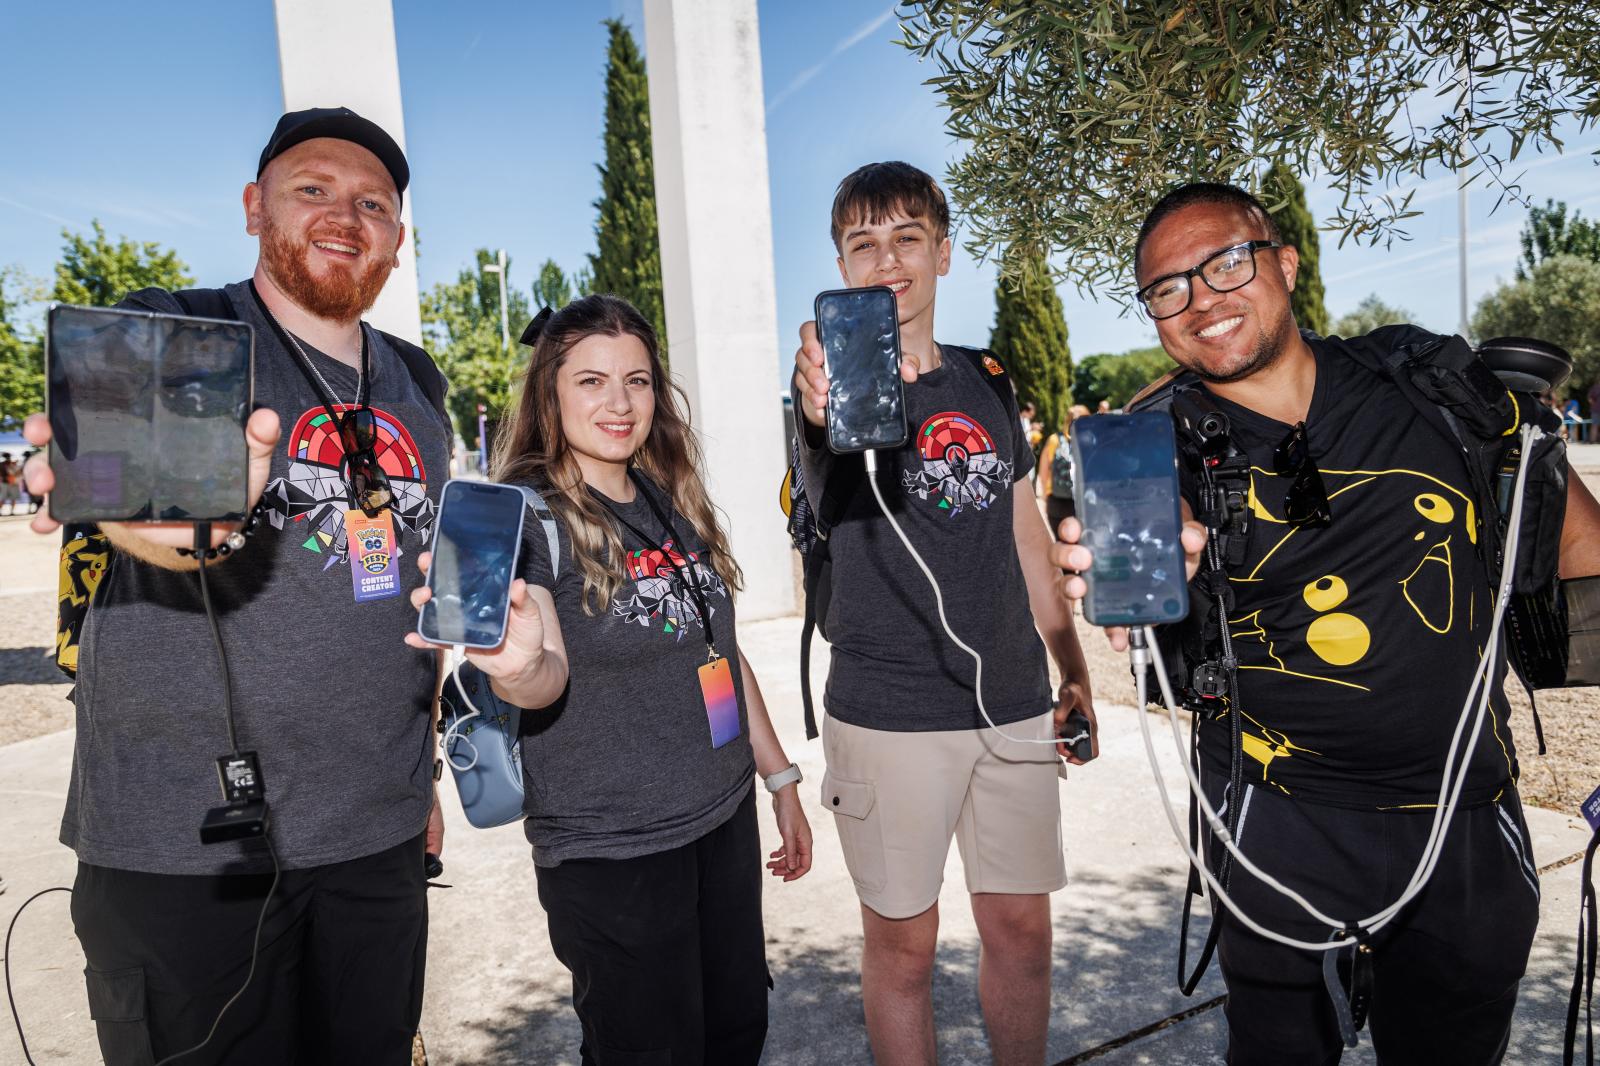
(453, 731)
(938, 599)
(1451, 782)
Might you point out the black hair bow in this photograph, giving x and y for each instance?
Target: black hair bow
(530, 336)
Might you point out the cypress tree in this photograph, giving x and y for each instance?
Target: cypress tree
(628, 262)
(1030, 340)
(1299, 229)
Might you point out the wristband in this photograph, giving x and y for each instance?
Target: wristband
(789, 774)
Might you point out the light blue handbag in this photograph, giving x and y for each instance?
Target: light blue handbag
(481, 730)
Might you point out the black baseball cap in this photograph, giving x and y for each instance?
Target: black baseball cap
(341, 124)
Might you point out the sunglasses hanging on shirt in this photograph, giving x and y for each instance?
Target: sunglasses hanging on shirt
(1306, 502)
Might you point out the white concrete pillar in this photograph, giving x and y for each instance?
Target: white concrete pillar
(342, 54)
(709, 135)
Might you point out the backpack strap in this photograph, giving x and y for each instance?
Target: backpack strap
(206, 303)
(994, 375)
(547, 519)
(424, 371)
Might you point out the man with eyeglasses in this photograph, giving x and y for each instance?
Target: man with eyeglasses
(348, 429)
(1357, 606)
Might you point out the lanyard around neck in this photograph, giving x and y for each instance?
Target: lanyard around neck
(309, 372)
(685, 572)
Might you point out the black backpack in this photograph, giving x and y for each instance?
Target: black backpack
(85, 552)
(810, 520)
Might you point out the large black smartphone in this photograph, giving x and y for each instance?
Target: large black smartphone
(147, 415)
(475, 539)
(859, 330)
(1126, 489)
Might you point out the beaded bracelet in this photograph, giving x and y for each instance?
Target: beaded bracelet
(236, 539)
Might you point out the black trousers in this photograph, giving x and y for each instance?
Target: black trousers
(1445, 972)
(1057, 509)
(338, 980)
(667, 951)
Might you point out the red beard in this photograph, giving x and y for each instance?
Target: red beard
(338, 295)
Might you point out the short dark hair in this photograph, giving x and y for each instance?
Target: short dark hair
(1203, 192)
(874, 192)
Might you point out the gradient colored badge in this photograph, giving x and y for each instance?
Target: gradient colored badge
(722, 705)
(374, 563)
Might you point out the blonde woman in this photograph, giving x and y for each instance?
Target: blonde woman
(648, 730)
(1055, 470)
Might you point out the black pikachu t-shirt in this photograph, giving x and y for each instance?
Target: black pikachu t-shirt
(1357, 643)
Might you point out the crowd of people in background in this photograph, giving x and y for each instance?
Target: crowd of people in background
(14, 498)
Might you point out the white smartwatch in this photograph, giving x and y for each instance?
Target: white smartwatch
(788, 774)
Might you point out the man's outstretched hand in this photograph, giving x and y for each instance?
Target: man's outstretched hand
(261, 435)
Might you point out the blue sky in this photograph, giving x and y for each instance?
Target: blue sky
(153, 125)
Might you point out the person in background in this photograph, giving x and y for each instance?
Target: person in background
(10, 483)
(1055, 469)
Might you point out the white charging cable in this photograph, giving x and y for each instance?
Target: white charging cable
(453, 731)
(1451, 782)
(938, 599)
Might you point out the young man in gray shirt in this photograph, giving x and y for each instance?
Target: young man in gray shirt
(337, 707)
(911, 761)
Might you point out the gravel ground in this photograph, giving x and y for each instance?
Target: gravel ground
(32, 691)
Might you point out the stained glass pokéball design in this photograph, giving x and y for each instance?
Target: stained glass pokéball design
(960, 465)
(311, 501)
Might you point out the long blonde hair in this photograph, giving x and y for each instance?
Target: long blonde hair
(532, 447)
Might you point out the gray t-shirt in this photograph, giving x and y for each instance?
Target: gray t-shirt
(622, 765)
(950, 488)
(324, 690)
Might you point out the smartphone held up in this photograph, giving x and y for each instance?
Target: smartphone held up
(147, 415)
(475, 539)
(1126, 489)
(859, 330)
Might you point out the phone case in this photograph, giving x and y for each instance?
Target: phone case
(445, 496)
(866, 404)
(1126, 491)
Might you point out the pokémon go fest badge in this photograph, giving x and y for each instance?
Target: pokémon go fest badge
(373, 570)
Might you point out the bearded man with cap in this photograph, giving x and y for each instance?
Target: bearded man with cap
(338, 709)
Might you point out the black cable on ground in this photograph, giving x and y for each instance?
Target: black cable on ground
(15, 1017)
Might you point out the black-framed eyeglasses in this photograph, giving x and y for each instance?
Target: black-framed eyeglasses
(369, 486)
(1306, 502)
(1232, 268)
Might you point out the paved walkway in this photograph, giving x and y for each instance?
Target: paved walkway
(496, 995)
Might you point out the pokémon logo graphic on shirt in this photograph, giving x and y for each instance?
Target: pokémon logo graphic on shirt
(311, 501)
(658, 587)
(960, 465)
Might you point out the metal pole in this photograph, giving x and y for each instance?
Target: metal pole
(1461, 185)
(483, 439)
(505, 327)
(1461, 218)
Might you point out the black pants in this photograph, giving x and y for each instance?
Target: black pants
(667, 951)
(338, 980)
(1057, 509)
(1445, 972)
